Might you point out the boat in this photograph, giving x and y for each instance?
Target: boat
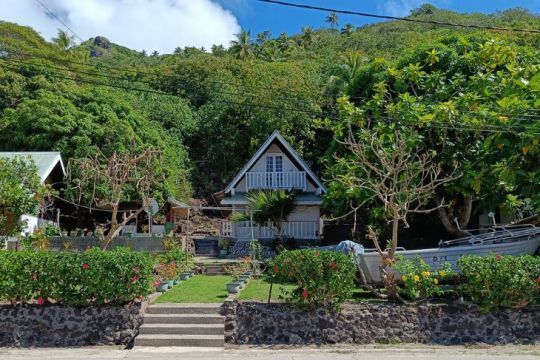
(502, 240)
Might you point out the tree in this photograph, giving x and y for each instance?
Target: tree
(63, 40)
(242, 47)
(308, 36)
(332, 19)
(270, 208)
(104, 183)
(395, 173)
(347, 30)
(21, 192)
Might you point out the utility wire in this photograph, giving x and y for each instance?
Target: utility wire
(50, 12)
(450, 125)
(282, 95)
(388, 17)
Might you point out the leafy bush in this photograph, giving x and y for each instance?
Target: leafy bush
(95, 277)
(501, 281)
(324, 278)
(419, 281)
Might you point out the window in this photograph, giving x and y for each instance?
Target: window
(269, 163)
(279, 163)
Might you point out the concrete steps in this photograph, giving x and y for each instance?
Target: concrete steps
(188, 325)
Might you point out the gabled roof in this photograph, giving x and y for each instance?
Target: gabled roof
(276, 136)
(45, 161)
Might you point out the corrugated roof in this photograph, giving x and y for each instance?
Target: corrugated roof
(44, 160)
(300, 199)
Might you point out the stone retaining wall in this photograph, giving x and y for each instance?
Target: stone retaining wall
(55, 325)
(258, 323)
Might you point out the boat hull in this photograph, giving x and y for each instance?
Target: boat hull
(369, 262)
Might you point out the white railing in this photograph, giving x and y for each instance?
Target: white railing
(295, 229)
(276, 180)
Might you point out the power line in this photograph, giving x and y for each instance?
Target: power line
(388, 17)
(282, 94)
(50, 12)
(451, 125)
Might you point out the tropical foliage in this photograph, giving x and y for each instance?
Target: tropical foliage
(323, 278)
(94, 277)
(501, 281)
(21, 192)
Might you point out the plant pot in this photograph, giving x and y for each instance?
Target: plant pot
(191, 273)
(162, 287)
(233, 287)
(223, 252)
(170, 283)
(176, 281)
(244, 278)
(185, 276)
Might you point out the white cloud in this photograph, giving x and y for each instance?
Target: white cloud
(403, 8)
(160, 25)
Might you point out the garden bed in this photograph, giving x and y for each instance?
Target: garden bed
(259, 323)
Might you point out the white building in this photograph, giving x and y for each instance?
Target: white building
(276, 165)
(51, 171)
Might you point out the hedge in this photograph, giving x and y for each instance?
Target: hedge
(95, 277)
(324, 278)
(501, 281)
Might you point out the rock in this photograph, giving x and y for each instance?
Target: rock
(102, 42)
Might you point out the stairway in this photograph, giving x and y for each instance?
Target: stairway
(206, 247)
(198, 325)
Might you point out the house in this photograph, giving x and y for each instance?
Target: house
(51, 171)
(276, 165)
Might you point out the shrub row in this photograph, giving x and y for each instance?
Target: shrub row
(501, 281)
(94, 277)
(324, 278)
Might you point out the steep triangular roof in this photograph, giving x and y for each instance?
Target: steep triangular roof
(276, 136)
(45, 161)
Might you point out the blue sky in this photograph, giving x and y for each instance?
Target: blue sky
(163, 25)
(258, 16)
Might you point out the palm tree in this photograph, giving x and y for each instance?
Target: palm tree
(308, 35)
(270, 208)
(242, 47)
(63, 40)
(333, 20)
(263, 37)
(347, 30)
(343, 75)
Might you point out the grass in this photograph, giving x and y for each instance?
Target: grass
(257, 290)
(198, 289)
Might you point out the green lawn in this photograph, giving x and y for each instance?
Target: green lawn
(257, 290)
(198, 289)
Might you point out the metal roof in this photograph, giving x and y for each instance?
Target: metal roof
(44, 160)
(300, 199)
(278, 137)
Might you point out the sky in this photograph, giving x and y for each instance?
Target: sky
(163, 25)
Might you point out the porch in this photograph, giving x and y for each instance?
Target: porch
(276, 180)
(244, 230)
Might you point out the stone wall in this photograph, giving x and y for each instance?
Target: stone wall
(258, 323)
(55, 325)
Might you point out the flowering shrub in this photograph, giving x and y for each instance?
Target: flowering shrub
(164, 272)
(95, 277)
(324, 278)
(419, 280)
(507, 281)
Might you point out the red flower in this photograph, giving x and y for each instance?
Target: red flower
(85, 266)
(34, 276)
(498, 257)
(305, 294)
(157, 283)
(134, 278)
(333, 265)
(40, 301)
(276, 269)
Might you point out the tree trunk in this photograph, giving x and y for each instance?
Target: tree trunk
(446, 215)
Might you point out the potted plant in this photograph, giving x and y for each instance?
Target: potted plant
(170, 273)
(224, 245)
(236, 284)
